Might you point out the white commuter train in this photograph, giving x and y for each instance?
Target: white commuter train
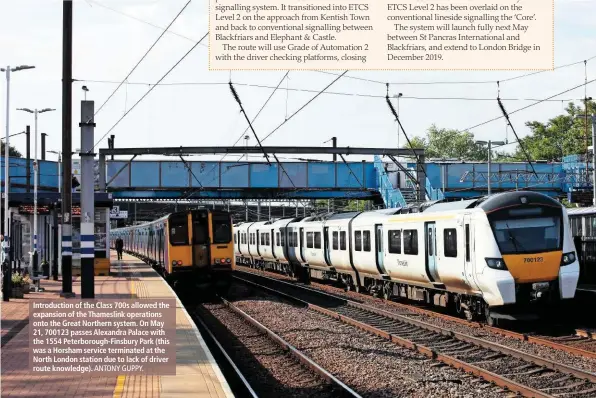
(494, 257)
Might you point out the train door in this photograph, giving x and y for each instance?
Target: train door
(326, 246)
(301, 240)
(468, 252)
(431, 251)
(379, 249)
(273, 243)
(200, 239)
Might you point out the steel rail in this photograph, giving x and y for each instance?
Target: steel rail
(245, 384)
(508, 333)
(442, 331)
(430, 353)
(348, 392)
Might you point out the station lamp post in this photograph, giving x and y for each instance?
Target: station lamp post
(35, 183)
(490, 147)
(8, 70)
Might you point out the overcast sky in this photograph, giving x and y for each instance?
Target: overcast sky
(107, 44)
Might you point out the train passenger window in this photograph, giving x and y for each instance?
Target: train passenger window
(267, 241)
(410, 241)
(335, 240)
(342, 240)
(178, 229)
(366, 240)
(295, 239)
(467, 242)
(450, 242)
(358, 241)
(291, 239)
(309, 240)
(277, 239)
(317, 240)
(235, 238)
(283, 238)
(394, 242)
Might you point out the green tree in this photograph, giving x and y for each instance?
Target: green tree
(449, 144)
(12, 151)
(560, 136)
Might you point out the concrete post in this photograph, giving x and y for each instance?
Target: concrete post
(87, 201)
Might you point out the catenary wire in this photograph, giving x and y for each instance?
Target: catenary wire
(143, 57)
(147, 93)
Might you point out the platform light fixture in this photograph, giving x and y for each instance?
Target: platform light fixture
(36, 112)
(8, 70)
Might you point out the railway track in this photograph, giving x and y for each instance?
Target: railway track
(582, 342)
(515, 370)
(240, 346)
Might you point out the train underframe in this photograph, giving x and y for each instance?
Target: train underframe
(191, 277)
(470, 307)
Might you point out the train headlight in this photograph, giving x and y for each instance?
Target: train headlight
(174, 262)
(228, 260)
(568, 258)
(496, 263)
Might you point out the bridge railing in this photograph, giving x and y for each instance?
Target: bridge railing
(391, 195)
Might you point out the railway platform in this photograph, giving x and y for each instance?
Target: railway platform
(197, 373)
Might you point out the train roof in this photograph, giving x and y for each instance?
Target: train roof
(505, 199)
(451, 206)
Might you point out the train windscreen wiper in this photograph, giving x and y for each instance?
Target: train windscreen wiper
(514, 240)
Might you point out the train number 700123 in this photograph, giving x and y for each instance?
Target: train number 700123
(533, 259)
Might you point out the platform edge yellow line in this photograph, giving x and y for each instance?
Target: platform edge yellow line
(122, 378)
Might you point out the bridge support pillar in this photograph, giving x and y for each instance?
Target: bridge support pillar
(420, 179)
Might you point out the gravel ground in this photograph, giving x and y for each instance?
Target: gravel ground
(558, 356)
(271, 371)
(370, 365)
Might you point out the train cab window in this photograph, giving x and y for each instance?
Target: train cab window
(394, 242)
(410, 241)
(178, 229)
(358, 241)
(222, 227)
(335, 240)
(309, 240)
(366, 240)
(450, 242)
(342, 240)
(317, 240)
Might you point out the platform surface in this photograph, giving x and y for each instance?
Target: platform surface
(197, 374)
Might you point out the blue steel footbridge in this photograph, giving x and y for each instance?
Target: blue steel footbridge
(390, 179)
